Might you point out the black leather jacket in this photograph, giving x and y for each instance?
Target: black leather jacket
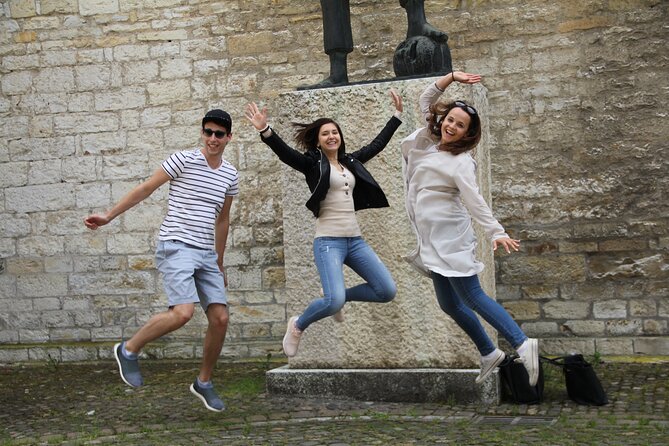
(316, 169)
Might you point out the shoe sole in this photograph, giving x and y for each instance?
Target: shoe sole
(497, 362)
(534, 345)
(204, 400)
(285, 338)
(120, 368)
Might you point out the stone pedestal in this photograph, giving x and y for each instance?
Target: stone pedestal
(410, 332)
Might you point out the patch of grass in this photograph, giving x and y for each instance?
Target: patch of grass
(244, 386)
(381, 416)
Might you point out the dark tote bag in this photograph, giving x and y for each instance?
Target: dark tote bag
(583, 385)
(515, 382)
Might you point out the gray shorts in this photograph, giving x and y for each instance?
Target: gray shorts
(190, 274)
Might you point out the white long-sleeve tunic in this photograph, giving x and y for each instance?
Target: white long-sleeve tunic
(440, 190)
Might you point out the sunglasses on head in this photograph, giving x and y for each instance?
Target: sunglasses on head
(466, 107)
(219, 134)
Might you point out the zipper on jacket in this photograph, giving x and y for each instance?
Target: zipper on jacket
(320, 173)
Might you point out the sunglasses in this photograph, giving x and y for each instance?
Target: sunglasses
(220, 134)
(466, 107)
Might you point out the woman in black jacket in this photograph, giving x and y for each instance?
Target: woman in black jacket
(339, 185)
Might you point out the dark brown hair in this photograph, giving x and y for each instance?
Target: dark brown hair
(468, 141)
(306, 135)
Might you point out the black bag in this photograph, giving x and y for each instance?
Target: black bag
(515, 382)
(582, 383)
(583, 386)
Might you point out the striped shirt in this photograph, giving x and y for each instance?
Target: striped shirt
(196, 197)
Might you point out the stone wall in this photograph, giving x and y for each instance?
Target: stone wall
(95, 93)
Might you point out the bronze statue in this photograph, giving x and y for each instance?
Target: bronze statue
(425, 50)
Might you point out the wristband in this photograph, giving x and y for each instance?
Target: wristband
(265, 129)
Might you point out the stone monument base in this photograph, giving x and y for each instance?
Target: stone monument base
(423, 385)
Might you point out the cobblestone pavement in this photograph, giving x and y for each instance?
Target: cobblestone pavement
(81, 404)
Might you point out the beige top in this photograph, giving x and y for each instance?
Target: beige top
(337, 213)
(440, 190)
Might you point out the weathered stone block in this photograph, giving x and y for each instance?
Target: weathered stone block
(125, 98)
(130, 53)
(614, 346)
(8, 356)
(46, 303)
(124, 167)
(78, 353)
(168, 91)
(523, 310)
(170, 35)
(14, 127)
(106, 333)
(16, 82)
(610, 309)
(44, 172)
(22, 8)
(606, 266)
(539, 292)
(176, 68)
(560, 309)
(255, 313)
(126, 282)
(591, 290)
(535, 270)
(258, 297)
(36, 246)
(39, 198)
(624, 327)
(273, 277)
(14, 63)
(244, 278)
(41, 285)
(70, 123)
(50, 80)
(14, 225)
(30, 149)
(584, 328)
(85, 245)
(646, 307)
(9, 336)
(655, 327)
(93, 7)
(58, 6)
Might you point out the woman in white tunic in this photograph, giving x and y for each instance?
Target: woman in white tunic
(441, 198)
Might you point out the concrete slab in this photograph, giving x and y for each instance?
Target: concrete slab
(453, 386)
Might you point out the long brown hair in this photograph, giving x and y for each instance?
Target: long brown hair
(306, 135)
(469, 140)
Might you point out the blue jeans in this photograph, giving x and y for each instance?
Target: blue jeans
(331, 254)
(458, 296)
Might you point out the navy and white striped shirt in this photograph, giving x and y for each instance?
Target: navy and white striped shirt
(196, 197)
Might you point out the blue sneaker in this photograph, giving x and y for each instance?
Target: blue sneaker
(128, 368)
(208, 397)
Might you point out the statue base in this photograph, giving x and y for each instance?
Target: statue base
(424, 385)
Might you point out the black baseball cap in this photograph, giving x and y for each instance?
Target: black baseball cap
(218, 116)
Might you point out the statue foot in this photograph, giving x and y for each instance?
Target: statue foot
(330, 81)
(431, 32)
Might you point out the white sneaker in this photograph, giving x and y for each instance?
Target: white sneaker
(488, 366)
(339, 315)
(291, 339)
(528, 354)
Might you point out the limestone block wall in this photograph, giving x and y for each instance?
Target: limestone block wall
(95, 93)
